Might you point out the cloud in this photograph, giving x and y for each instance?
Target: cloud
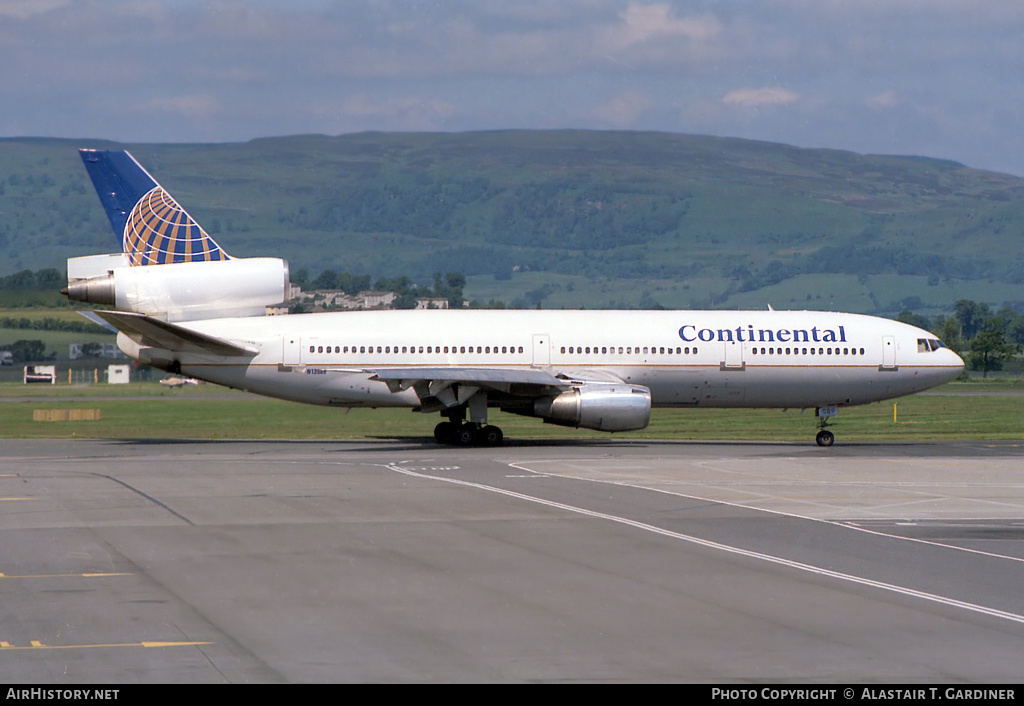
(643, 23)
(749, 97)
(24, 9)
(888, 99)
(623, 110)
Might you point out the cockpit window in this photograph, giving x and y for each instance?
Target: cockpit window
(926, 345)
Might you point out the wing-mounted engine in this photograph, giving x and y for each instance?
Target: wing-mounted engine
(185, 291)
(595, 405)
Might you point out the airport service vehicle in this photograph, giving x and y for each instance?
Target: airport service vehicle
(182, 304)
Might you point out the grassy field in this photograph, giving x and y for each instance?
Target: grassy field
(972, 410)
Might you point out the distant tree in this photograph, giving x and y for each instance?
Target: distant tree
(450, 287)
(970, 314)
(1015, 330)
(328, 279)
(1013, 323)
(455, 280)
(948, 331)
(353, 284)
(404, 301)
(25, 351)
(989, 347)
(908, 317)
(301, 278)
(399, 285)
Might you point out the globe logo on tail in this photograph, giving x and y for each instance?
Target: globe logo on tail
(160, 232)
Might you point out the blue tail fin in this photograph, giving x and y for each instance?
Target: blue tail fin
(153, 228)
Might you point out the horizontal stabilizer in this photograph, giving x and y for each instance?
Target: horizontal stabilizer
(98, 320)
(147, 331)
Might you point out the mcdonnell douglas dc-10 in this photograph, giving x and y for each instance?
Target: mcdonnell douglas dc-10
(182, 304)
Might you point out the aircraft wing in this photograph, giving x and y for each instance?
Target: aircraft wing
(482, 377)
(148, 331)
(443, 387)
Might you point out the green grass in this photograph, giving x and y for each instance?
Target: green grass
(971, 411)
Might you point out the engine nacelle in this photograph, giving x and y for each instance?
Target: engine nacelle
(601, 406)
(187, 291)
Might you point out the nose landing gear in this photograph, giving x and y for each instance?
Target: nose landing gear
(825, 437)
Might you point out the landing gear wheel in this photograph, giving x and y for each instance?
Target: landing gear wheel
(825, 438)
(491, 436)
(465, 435)
(444, 432)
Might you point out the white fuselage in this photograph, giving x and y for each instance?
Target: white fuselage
(687, 358)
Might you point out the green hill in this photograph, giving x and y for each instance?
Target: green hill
(564, 218)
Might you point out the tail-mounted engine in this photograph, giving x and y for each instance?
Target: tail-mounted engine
(186, 291)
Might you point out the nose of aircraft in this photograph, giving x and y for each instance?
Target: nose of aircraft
(956, 364)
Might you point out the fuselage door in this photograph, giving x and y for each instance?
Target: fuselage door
(541, 349)
(888, 353)
(733, 358)
(291, 350)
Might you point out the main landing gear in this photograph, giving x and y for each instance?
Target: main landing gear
(825, 437)
(456, 433)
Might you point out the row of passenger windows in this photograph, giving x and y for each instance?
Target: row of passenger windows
(628, 350)
(808, 351)
(416, 349)
(576, 350)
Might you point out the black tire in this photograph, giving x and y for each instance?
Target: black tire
(491, 436)
(444, 432)
(825, 438)
(465, 435)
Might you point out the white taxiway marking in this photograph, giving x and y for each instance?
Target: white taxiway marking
(902, 590)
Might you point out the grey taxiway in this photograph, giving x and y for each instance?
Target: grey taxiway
(250, 561)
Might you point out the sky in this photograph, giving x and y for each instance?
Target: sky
(937, 78)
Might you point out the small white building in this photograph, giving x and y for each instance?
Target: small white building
(377, 300)
(41, 373)
(432, 303)
(118, 374)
